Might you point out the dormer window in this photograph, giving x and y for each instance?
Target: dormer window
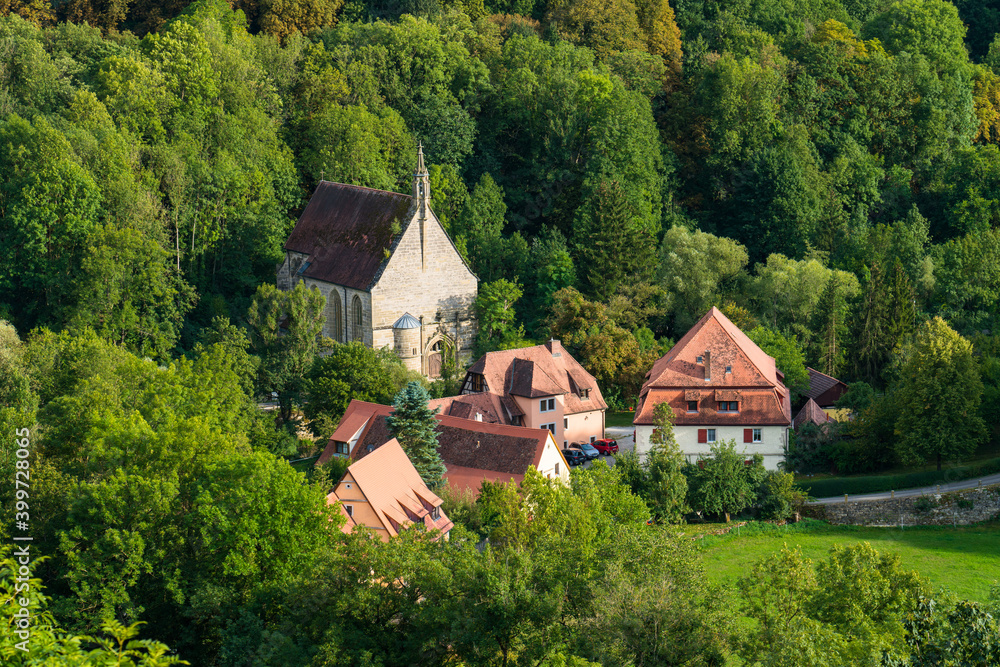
(584, 394)
(729, 406)
(436, 513)
(692, 406)
(477, 382)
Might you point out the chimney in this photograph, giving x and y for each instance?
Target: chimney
(555, 347)
(708, 365)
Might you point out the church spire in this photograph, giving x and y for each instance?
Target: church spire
(421, 182)
(422, 196)
(420, 159)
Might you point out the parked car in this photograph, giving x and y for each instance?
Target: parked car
(606, 447)
(588, 449)
(574, 457)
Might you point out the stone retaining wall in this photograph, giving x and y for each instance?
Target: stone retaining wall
(940, 509)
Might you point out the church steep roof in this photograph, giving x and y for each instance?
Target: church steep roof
(348, 232)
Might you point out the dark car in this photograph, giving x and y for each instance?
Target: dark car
(574, 457)
(606, 447)
(588, 450)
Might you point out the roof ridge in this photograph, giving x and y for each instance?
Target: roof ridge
(364, 187)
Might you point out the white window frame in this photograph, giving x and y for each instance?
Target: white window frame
(757, 436)
(710, 435)
(547, 405)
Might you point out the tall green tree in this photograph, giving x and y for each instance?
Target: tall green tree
(938, 397)
(413, 424)
(285, 355)
(611, 243)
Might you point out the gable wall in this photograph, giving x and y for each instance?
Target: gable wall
(440, 284)
(364, 514)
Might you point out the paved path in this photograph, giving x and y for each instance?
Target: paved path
(927, 490)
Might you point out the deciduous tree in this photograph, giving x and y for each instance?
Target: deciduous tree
(938, 397)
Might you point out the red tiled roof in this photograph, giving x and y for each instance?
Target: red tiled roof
(473, 478)
(394, 490)
(467, 406)
(542, 370)
(758, 407)
(811, 412)
(461, 442)
(347, 231)
(678, 376)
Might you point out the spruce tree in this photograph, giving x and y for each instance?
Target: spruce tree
(829, 323)
(413, 424)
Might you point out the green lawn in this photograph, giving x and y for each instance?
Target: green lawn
(963, 560)
(618, 418)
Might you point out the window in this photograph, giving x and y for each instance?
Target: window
(710, 434)
(477, 382)
(551, 427)
(358, 318)
(692, 406)
(700, 360)
(756, 435)
(565, 423)
(729, 369)
(584, 394)
(592, 438)
(729, 406)
(436, 513)
(334, 317)
(350, 510)
(342, 448)
(557, 469)
(547, 405)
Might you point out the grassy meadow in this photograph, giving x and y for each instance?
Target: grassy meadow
(964, 560)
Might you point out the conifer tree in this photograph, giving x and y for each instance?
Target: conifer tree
(829, 323)
(413, 424)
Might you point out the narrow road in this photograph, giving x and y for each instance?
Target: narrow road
(927, 490)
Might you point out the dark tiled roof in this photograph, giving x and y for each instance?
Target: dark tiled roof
(461, 442)
(821, 384)
(811, 412)
(347, 231)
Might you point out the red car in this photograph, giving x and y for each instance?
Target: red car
(606, 447)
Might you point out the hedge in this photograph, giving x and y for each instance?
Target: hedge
(838, 486)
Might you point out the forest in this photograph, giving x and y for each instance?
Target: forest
(826, 172)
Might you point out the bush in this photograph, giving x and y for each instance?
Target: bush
(923, 504)
(965, 503)
(838, 486)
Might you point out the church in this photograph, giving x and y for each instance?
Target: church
(390, 274)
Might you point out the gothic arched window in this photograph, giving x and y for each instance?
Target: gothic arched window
(335, 317)
(358, 319)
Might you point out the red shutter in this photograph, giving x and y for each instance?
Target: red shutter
(703, 435)
(748, 435)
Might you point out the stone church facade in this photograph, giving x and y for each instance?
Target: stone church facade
(389, 272)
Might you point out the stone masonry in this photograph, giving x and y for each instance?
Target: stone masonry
(957, 508)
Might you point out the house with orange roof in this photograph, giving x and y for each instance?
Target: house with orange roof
(472, 451)
(721, 386)
(537, 387)
(384, 493)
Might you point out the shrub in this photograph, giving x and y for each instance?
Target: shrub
(923, 504)
(965, 503)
